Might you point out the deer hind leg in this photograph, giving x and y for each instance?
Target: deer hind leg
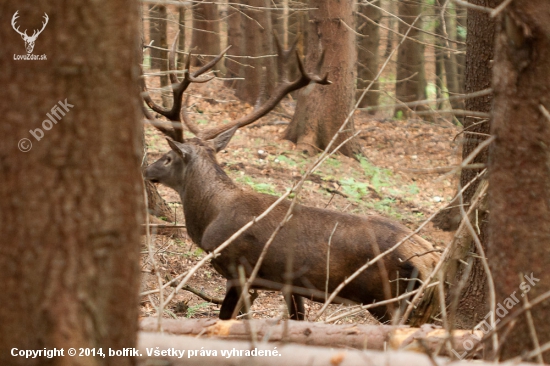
(295, 305)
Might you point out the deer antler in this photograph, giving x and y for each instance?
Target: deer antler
(13, 19)
(175, 131)
(35, 34)
(277, 95)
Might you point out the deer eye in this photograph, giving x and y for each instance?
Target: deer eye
(168, 161)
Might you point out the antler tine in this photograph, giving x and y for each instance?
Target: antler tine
(309, 77)
(192, 126)
(276, 96)
(210, 64)
(172, 61)
(178, 88)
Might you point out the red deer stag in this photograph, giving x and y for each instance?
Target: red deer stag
(215, 208)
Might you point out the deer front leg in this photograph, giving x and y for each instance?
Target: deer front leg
(229, 302)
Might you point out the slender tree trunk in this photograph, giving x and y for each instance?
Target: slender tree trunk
(461, 34)
(390, 5)
(277, 18)
(71, 207)
(410, 83)
(297, 30)
(205, 38)
(157, 33)
(181, 39)
(321, 110)
(235, 40)
(519, 190)
(367, 52)
(257, 41)
(451, 65)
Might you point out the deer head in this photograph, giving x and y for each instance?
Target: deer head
(29, 40)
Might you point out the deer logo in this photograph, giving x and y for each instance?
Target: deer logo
(29, 41)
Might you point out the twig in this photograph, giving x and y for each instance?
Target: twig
(496, 11)
(466, 4)
(328, 259)
(531, 324)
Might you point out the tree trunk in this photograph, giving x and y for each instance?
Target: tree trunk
(480, 50)
(367, 53)
(72, 206)
(181, 39)
(451, 65)
(234, 39)
(321, 110)
(277, 18)
(410, 84)
(205, 38)
(257, 41)
(297, 30)
(157, 32)
(519, 190)
(472, 301)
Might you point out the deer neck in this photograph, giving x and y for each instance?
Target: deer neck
(204, 194)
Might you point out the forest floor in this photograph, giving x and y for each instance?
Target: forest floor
(395, 178)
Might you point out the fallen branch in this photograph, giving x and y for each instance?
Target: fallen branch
(155, 348)
(372, 337)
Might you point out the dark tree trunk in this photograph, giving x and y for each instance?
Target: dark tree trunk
(519, 189)
(480, 50)
(257, 41)
(473, 299)
(321, 110)
(410, 82)
(367, 52)
(72, 206)
(205, 39)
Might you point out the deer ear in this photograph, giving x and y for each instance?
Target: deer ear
(179, 148)
(223, 139)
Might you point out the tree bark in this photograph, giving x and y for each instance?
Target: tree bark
(261, 75)
(519, 190)
(480, 41)
(472, 302)
(72, 206)
(321, 110)
(367, 53)
(205, 38)
(410, 84)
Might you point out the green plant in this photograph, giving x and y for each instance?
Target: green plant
(258, 187)
(193, 309)
(286, 160)
(353, 189)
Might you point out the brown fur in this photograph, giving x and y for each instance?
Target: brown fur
(215, 208)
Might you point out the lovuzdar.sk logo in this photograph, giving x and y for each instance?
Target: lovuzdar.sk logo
(29, 40)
